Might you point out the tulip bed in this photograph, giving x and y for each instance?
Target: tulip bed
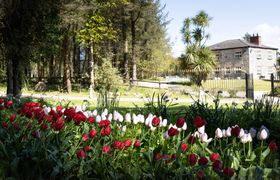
(42, 142)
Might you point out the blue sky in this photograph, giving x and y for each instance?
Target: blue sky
(231, 20)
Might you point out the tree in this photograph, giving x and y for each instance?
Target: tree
(198, 59)
(23, 32)
(95, 31)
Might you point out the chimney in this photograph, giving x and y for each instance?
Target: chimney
(255, 39)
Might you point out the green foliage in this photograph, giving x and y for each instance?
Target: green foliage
(199, 59)
(159, 105)
(107, 81)
(107, 77)
(96, 30)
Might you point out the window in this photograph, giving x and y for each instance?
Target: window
(238, 54)
(238, 70)
(259, 70)
(217, 56)
(227, 70)
(269, 57)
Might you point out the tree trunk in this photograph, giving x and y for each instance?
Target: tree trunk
(51, 67)
(125, 49)
(91, 66)
(91, 71)
(66, 63)
(17, 77)
(9, 77)
(133, 44)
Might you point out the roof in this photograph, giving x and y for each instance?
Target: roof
(237, 43)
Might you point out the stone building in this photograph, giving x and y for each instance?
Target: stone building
(237, 56)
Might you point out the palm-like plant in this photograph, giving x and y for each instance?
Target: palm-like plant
(198, 60)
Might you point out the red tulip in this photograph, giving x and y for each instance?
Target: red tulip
(200, 174)
(104, 123)
(214, 157)
(137, 143)
(44, 126)
(4, 125)
(81, 154)
(92, 133)
(180, 122)
(192, 158)
(87, 148)
(217, 166)
(229, 172)
(118, 145)
(106, 149)
(12, 117)
(155, 121)
(191, 139)
(273, 146)
(235, 131)
(184, 147)
(91, 120)
(16, 126)
(58, 124)
(106, 131)
(172, 132)
(59, 108)
(8, 104)
(199, 122)
(85, 137)
(128, 143)
(203, 161)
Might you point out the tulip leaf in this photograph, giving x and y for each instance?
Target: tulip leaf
(267, 172)
(242, 173)
(251, 158)
(265, 153)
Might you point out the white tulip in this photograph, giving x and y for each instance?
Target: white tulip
(204, 137)
(243, 139)
(185, 126)
(105, 111)
(86, 114)
(228, 132)
(141, 118)
(249, 137)
(103, 117)
(127, 118)
(224, 133)
(110, 117)
(47, 110)
(196, 134)
(164, 123)
(218, 133)
(124, 128)
(241, 133)
(94, 112)
(120, 118)
(78, 108)
(115, 115)
(201, 129)
(263, 133)
(134, 119)
(153, 128)
(98, 118)
(165, 135)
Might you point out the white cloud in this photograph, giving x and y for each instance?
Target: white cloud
(270, 34)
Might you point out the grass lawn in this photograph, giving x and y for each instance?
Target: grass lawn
(238, 85)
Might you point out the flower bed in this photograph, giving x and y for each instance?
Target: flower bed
(54, 142)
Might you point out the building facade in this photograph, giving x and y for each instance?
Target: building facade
(237, 56)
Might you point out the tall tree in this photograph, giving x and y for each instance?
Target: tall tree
(199, 59)
(22, 31)
(95, 31)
